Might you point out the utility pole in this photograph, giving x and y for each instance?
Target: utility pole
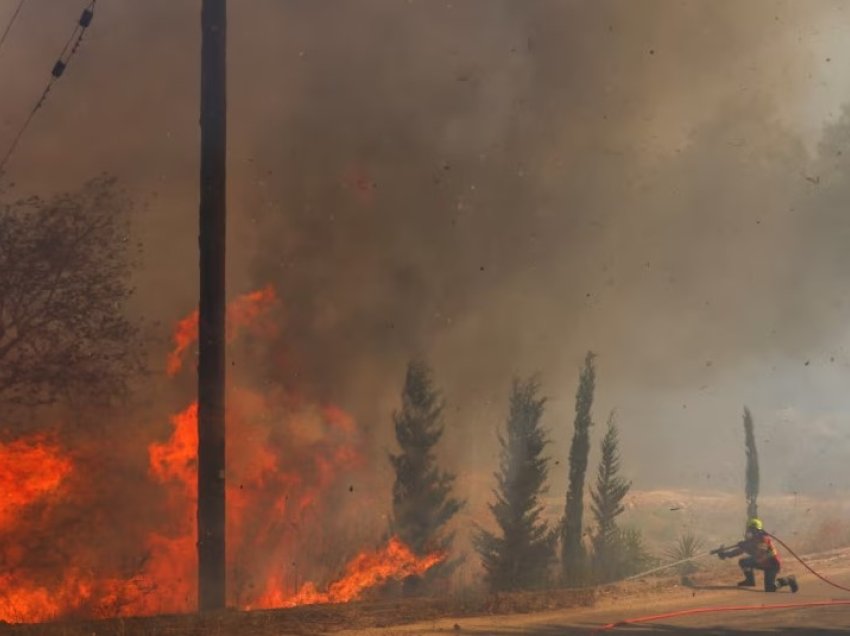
(211, 323)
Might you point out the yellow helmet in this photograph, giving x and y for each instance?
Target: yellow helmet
(755, 524)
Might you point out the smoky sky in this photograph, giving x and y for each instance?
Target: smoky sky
(495, 185)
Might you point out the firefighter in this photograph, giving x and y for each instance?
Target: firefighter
(761, 555)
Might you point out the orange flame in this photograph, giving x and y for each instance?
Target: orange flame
(185, 333)
(264, 500)
(395, 561)
(177, 458)
(30, 470)
(241, 313)
(284, 456)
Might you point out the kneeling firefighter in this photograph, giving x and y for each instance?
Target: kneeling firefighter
(761, 555)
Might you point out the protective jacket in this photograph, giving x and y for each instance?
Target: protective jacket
(759, 546)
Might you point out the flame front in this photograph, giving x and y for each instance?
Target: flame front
(395, 561)
(32, 474)
(287, 458)
(30, 471)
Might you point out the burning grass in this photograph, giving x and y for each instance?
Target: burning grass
(67, 552)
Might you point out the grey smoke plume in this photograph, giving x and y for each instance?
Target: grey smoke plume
(498, 185)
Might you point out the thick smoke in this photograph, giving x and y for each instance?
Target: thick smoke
(496, 185)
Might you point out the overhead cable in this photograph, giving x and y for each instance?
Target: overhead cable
(11, 22)
(68, 51)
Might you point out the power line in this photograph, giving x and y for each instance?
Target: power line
(65, 57)
(11, 22)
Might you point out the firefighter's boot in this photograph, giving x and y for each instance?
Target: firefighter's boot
(790, 581)
(749, 579)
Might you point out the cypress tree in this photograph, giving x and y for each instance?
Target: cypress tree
(751, 490)
(422, 494)
(607, 498)
(572, 551)
(520, 556)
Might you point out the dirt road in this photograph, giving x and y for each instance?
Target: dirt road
(710, 592)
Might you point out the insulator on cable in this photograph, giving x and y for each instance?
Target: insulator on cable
(86, 18)
(58, 69)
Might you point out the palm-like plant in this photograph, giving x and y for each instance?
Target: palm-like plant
(687, 546)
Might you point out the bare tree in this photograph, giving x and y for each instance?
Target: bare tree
(65, 264)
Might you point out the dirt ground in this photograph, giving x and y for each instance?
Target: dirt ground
(713, 589)
(559, 612)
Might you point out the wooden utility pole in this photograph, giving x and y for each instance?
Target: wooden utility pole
(211, 324)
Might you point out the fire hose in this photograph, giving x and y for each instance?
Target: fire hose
(807, 566)
(717, 610)
(729, 608)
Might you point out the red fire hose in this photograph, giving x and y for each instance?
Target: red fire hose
(738, 608)
(807, 566)
(716, 610)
